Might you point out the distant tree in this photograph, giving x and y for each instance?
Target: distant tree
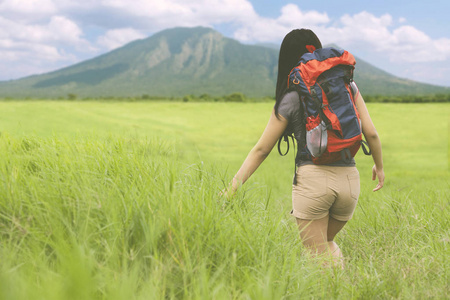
(205, 97)
(235, 97)
(71, 96)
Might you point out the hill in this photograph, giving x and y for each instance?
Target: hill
(181, 61)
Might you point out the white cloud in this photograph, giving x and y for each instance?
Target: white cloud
(292, 16)
(27, 9)
(39, 46)
(119, 37)
(20, 51)
(21, 58)
(362, 28)
(377, 35)
(62, 29)
(410, 35)
(157, 15)
(59, 29)
(259, 29)
(443, 45)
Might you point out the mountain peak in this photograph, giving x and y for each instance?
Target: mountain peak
(185, 31)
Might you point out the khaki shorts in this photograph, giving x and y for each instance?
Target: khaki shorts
(323, 190)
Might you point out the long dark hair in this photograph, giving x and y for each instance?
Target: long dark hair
(294, 45)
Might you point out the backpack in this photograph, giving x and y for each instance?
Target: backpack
(323, 79)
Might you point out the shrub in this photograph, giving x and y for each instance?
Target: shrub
(235, 97)
(71, 96)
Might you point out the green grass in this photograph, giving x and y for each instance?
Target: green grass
(120, 201)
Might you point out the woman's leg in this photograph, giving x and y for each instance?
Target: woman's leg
(318, 235)
(313, 234)
(334, 226)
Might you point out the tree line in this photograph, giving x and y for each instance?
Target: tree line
(408, 98)
(240, 97)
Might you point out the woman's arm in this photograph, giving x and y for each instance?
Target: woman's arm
(371, 135)
(260, 151)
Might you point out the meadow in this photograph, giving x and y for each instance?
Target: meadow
(121, 200)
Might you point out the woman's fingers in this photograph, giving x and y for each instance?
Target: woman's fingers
(379, 186)
(380, 174)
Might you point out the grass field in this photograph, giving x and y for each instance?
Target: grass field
(120, 201)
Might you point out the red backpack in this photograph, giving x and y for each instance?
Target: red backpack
(323, 79)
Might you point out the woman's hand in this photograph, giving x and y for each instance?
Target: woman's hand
(380, 174)
(226, 193)
(225, 197)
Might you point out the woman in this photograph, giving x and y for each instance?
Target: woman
(324, 196)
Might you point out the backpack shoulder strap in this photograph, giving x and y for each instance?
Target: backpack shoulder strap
(285, 137)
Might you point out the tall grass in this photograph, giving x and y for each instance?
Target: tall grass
(113, 216)
(119, 218)
(116, 218)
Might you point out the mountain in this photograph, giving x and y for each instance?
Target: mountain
(181, 61)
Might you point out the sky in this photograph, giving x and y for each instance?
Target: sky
(409, 39)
